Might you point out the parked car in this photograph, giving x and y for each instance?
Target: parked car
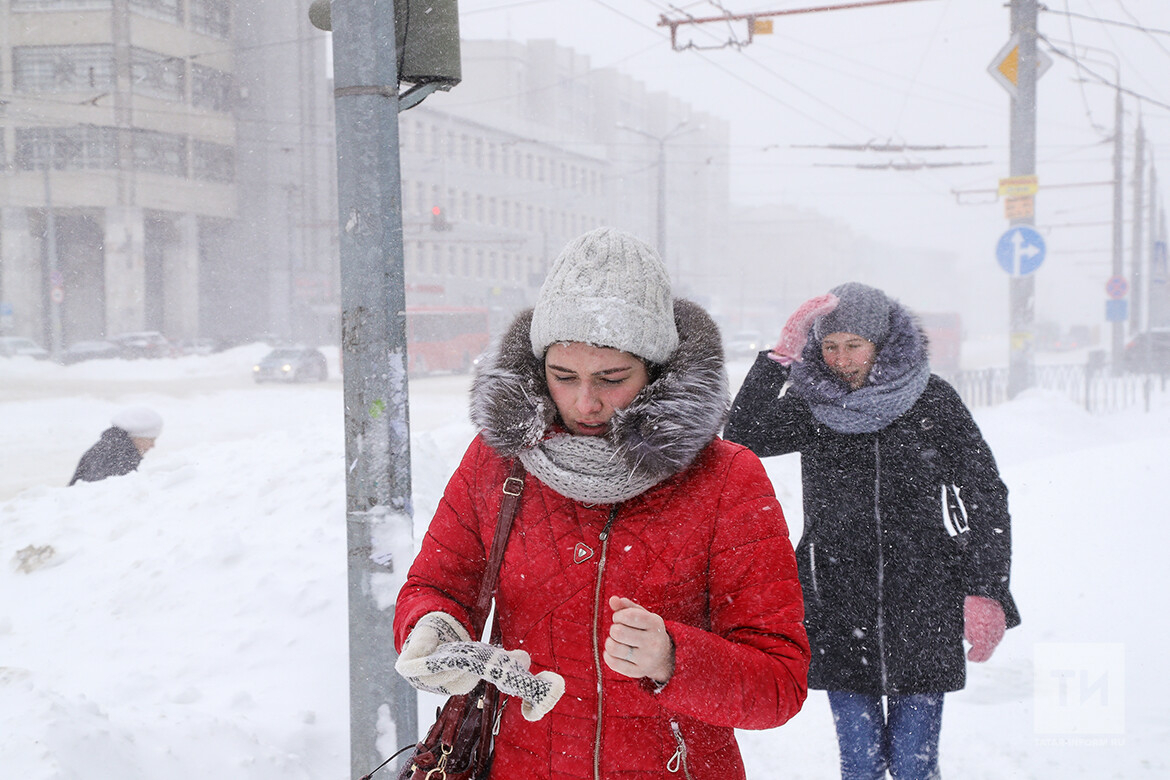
(746, 343)
(292, 364)
(1148, 352)
(144, 344)
(14, 346)
(197, 346)
(90, 350)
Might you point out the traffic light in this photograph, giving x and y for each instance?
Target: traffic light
(439, 219)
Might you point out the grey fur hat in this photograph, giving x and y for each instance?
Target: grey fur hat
(861, 309)
(609, 289)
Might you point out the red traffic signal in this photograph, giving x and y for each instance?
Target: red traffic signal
(439, 219)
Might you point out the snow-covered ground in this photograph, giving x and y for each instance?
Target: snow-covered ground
(188, 621)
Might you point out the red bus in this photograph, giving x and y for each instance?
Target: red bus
(445, 338)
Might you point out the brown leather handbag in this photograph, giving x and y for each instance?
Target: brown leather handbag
(459, 744)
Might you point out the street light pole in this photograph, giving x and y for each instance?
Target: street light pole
(660, 227)
(56, 283)
(1117, 332)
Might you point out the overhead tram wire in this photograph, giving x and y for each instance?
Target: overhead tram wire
(1100, 20)
(1097, 76)
(774, 98)
(754, 61)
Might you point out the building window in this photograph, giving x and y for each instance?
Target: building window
(156, 74)
(80, 147)
(158, 9)
(61, 5)
(63, 68)
(213, 162)
(211, 88)
(210, 17)
(160, 153)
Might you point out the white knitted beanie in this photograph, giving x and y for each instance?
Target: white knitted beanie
(609, 289)
(139, 422)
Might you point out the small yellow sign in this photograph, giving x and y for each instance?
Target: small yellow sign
(1019, 186)
(761, 26)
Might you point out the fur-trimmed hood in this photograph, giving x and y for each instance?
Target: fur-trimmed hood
(659, 434)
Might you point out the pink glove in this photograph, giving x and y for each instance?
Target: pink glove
(984, 624)
(795, 333)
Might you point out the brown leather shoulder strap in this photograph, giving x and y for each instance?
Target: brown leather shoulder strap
(513, 486)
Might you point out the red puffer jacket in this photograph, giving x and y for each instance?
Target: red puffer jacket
(707, 549)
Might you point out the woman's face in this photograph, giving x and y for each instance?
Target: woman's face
(588, 384)
(849, 356)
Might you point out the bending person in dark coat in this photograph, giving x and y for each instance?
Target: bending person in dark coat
(121, 446)
(907, 539)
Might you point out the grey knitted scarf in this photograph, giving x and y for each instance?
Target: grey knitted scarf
(901, 369)
(587, 469)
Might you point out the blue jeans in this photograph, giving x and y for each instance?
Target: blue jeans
(901, 737)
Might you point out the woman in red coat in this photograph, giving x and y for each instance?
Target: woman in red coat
(648, 600)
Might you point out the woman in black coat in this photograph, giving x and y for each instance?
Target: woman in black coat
(907, 538)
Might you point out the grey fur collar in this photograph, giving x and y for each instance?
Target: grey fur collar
(659, 434)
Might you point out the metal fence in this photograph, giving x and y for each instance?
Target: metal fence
(1088, 384)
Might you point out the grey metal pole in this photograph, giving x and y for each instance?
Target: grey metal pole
(1117, 334)
(662, 202)
(56, 282)
(383, 707)
(1022, 289)
(1136, 277)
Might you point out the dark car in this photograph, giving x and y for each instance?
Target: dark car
(16, 346)
(144, 344)
(90, 350)
(291, 364)
(1149, 352)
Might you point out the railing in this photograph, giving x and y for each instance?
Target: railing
(1093, 386)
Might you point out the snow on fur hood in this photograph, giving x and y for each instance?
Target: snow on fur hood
(659, 434)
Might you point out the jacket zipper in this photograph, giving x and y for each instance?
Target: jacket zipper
(604, 537)
(881, 566)
(812, 569)
(679, 759)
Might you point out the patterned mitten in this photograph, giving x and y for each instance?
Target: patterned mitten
(795, 332)
(983, 626)
(432, 631)
(505, 669)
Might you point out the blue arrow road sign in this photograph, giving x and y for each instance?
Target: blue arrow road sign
(1020, 250)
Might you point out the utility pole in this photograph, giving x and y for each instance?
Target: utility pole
(1136, 277)
(660, 220)
(383, 707)
(1117, 325)
(1022, 289)
(56, 282)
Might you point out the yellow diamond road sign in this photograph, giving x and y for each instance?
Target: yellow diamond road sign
(1005, 68)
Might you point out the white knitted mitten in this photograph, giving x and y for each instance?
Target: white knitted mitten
(505, 669)
(432, 631)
